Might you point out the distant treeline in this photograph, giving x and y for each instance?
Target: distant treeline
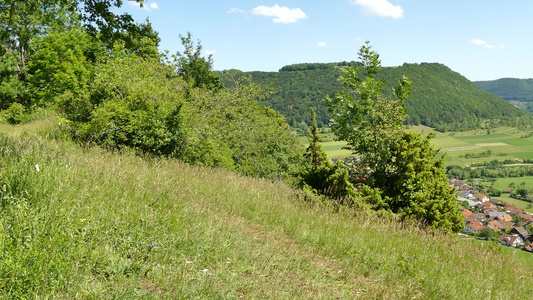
(441, 98)
(492, 169)
(518, 92)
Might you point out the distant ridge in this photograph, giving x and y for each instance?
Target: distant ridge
(442, 99)
(518, 92)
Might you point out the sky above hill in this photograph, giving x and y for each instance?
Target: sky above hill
(481, 39)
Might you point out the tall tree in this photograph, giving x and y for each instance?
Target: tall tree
(20, 23)
(398, 164)
(315, 153)
(368, 122)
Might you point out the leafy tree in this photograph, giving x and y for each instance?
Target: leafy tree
(493, 192)
(60, 65)
(399, 164)
(520, 192)
(132, 102)
(418, 186)
(320, 174)
(194, 68)
(20, 23)
(100, 21)
(368, 122)
(229, 128)
(25, 24)
(15, 113)
(487, 233)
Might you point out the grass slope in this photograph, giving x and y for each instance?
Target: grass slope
(98, 225)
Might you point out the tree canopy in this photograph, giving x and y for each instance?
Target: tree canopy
(397, 167)
(441, 98)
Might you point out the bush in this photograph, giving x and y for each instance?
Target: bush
(15, 113)
(134, 103)
(487, 234)
(229, 128)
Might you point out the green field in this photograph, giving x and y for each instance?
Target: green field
(503, 183)
(504, 143)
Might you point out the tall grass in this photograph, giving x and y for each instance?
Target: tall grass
(98, 225)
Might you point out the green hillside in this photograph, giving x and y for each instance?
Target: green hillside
(102, 225)
(518, 92)
(441, 98)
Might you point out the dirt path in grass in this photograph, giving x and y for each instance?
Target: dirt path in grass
(286, 264)
(491, 144)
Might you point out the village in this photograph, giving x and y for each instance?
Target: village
(492, 219)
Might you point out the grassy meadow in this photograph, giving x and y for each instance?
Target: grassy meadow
(89, 224)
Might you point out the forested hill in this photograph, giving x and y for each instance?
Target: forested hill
(441, 98)
(518, 92)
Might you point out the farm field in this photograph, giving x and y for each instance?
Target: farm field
(503, 183)
(503, 143)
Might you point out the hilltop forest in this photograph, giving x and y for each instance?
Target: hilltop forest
(441, 98)
(518, 92)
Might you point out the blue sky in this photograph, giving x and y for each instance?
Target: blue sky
(480, 39)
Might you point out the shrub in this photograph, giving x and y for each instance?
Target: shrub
(15, 113)
(133, 103)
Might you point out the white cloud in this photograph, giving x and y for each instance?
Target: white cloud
(382, 8)
(210, 52)
(322, 44)
(281, 14)
(236, 11)
(146, 6)
(479, 42)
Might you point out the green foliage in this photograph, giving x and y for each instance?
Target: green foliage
(494, 192)
(509, 89)
(132, 103)
(315, 154)
(369, 123)
(322, 176)
(520, 193)
(15, 113)
(418, 187)
(398, 164)
(20, 23)
(60, 67)
(441, 98)
(12, 88)
(194, 68)
(230, 128)
(101, 21)
(487, 234)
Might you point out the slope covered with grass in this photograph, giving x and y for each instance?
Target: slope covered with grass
(98, 225)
